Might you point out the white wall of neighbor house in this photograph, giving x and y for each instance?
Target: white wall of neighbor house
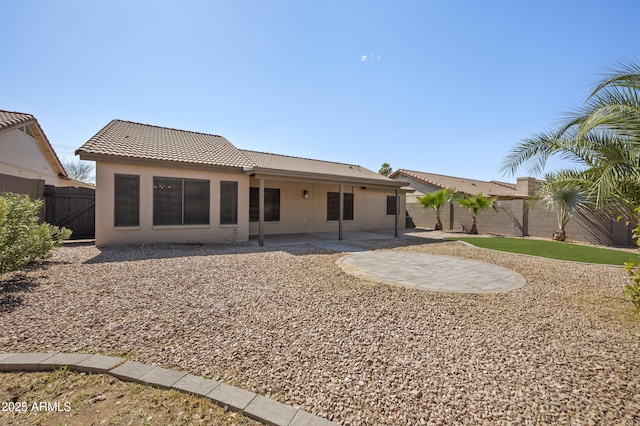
(21, 156)
(300, 215)
(146, 232)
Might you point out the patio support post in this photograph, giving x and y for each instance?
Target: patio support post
(397, 210)
(341, 212)
(451, 219)
(261, 213)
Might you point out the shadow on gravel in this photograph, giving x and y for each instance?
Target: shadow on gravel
(79, 243)
(134, 252)
(131, 253)
(11, 288)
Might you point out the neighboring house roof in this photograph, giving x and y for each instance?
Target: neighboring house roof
(296, 166)
(467, 186)
(12, 120)
(9, 119)
(125, 139)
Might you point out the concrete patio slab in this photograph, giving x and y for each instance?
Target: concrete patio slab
(25, 362)
(234, 397)
(196, 384)
(131, 371)
(431, 272)
(98, 364)
(270, 411)
(5, 356)
(318, 237)
(161, 377)
(336, 246)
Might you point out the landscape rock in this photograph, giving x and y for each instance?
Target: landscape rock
(288, 323)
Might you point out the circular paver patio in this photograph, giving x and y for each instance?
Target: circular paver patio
(431, 272)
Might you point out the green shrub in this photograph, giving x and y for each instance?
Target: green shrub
(22, 239)
(632, 291)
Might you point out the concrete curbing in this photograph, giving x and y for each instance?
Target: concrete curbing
(255, 406)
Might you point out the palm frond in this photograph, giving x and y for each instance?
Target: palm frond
(603, 136)
(534, 153)
(625, 74)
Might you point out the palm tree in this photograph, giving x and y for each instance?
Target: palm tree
(476, 203)
(564, 198)
(603, 138)
(385, 169)
(436, 200)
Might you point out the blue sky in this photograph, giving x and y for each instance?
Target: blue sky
(437, 86)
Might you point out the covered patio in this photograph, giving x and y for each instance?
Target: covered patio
(320, 237)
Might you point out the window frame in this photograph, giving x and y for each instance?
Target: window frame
(232, 208)
(392, 201)
(272, 197)
(333, 206)
(122, 206)
(191, 208)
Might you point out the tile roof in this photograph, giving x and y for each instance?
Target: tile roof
(308, 166)
(125, 139)
(134, 140)
(467, 186)
(9, 119)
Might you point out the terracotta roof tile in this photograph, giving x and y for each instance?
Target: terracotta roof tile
(306, 165)
(125, 139)
(10, 119)
(134, 140)
(467, 186)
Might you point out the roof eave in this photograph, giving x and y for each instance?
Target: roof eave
(297, 175)
(91, 156)
(45, 146)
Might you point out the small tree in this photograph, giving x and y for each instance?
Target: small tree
(385, 170)
(436, 200)
(476, 203)
(22, 239)
(563, 197)
(79, 170)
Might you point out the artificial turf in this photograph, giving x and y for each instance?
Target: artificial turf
(553, 249)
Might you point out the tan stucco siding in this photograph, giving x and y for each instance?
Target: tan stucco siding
(20, 155)
(108, 234)
(298, 214)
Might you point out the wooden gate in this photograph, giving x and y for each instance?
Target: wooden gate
(73, 208)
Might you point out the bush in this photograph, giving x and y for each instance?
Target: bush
(632, 291)
(22, 239)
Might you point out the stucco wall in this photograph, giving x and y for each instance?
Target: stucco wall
(298, 214)
(107, 234)
(21, 156)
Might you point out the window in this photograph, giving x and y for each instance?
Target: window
(179, 201)
(271, 204)
(333, 206)
(391, 204)
(228, 203)
(126, 200)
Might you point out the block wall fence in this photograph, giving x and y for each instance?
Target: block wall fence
(513, 219)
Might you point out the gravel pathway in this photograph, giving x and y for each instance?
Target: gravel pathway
(288, 323)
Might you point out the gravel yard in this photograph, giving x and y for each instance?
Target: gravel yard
(288, 323)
